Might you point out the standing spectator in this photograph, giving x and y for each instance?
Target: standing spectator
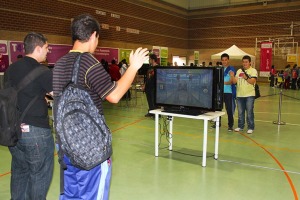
(94, 183)
(294, 77)
(33, 156)
(114, 71)
(169, 64)
(229, 97)
(203, 64)
(287, 77)
(298, 80)
(4, 63)
(272, 76)
(245, 79)
(122, 71)
(280, 78)
(123, 67)
(150, 84)
(104, 63)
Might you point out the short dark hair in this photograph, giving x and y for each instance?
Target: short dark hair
(246, 57)
(33, 40)
(153, 57)
(83, 26)
(225, 55)
(113, 61)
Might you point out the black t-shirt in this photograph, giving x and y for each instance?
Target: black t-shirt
(150, 82)
(37, 115)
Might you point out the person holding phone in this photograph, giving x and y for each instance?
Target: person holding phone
(245, 79)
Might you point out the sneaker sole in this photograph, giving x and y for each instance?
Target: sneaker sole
(239, 130)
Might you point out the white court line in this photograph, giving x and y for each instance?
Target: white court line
(258, 166)
(274, 124)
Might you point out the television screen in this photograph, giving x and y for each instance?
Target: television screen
(187, 89)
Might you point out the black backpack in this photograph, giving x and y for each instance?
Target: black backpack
(10, 115)
(82, 133)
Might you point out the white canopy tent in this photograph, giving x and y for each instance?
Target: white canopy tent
(234, 53)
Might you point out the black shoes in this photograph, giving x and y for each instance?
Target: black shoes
(230, 129)
(149, 115)
(214, 126)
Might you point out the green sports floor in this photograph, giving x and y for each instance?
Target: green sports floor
(261, 166)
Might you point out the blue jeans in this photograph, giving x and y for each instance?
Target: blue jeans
(229, 104)
(246, 104)
(32, 164)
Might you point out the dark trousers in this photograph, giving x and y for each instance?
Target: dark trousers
(287, 83)
(272, 78)
(294, 81)
(150, 98)
(32, 164)
(228, 100)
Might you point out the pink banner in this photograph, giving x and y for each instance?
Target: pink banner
(56, 51)
(16, 48)
(266, 56)
(4, 62)
(108, 54)
(3, 48)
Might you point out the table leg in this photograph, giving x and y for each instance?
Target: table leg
(217, 138)
(204, 143)
(170, 133)
(156, 134)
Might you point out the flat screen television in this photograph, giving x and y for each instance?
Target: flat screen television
(189, 90)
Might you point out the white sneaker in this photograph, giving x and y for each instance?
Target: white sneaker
(250, 131)
(238, 129)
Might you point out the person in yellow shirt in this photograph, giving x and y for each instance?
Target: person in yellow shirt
(245, 79)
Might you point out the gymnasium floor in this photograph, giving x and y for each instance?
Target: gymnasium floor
(264, 165)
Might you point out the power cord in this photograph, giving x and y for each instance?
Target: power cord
(163, 129)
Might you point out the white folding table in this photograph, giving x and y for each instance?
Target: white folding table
(215, 116)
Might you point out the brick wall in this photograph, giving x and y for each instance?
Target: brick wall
(157, 26)
(54, 17)
(240, 29)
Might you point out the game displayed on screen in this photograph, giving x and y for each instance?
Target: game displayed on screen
(185, 87)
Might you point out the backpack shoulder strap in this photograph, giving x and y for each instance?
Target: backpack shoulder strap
(245, 73)
(31, 76)
(76, 67)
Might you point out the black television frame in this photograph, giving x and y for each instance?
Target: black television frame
(216, 97)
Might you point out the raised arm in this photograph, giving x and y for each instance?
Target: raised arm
(233, 79)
